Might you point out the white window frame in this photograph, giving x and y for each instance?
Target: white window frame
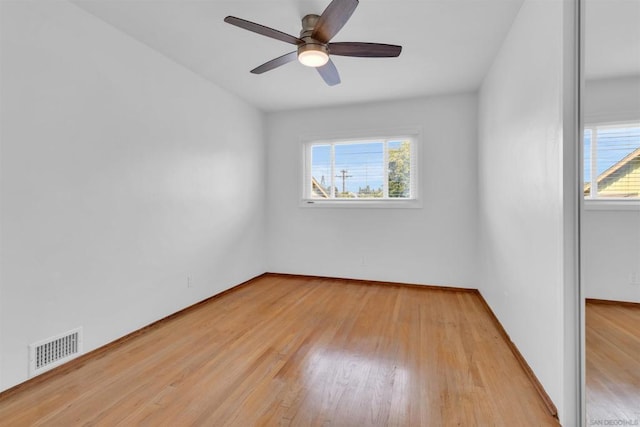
(609, 203)
(414, 200)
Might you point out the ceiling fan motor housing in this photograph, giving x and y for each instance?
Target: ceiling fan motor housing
(308, 24)
(310, 44)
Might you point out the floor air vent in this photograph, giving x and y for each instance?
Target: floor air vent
(54, 351)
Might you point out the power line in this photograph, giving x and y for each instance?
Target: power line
(344, 176)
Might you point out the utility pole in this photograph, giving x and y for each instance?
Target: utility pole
(344, 176)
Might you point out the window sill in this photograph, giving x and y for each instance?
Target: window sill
(359, 204)
(611, 205)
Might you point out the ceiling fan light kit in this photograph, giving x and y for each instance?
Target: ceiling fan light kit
(313, 55)
(313, 47)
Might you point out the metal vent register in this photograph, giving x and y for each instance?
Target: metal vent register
(54, 351)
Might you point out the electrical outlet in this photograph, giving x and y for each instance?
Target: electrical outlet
(634, 278)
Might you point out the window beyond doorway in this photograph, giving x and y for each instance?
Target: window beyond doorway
(612, 161)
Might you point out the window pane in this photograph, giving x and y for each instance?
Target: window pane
(587, 162)
(399, 169)
(359, 170)
(321, 171)
(618, 162)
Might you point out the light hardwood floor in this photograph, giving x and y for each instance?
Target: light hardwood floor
(300, 351)
(613, 363)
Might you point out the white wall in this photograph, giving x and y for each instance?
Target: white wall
(521, 185)
(612, 100)
(611, 236)
(434, 244)
(122, 173)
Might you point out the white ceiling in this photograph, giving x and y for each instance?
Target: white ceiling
(448, 45)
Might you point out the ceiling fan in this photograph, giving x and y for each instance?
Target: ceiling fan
(313, 44)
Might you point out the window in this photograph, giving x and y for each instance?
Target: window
(612, 161)
(362, 171)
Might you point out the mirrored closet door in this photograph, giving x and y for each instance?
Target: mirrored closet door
(610, 233)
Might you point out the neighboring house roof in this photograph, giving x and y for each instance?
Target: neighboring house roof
(317, 189)
(611, 174)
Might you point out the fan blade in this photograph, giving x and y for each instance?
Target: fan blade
(261, 29)
(333, 19)
(329, 73)
(365, 50)
(275, 63)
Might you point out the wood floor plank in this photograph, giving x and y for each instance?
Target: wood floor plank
(299, 351)
(612, 337)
